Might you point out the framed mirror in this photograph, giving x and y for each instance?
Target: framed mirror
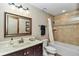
(16, 25)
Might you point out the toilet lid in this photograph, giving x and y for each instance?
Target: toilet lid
(50, 49)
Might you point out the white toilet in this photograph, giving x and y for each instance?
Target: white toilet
(47, 49)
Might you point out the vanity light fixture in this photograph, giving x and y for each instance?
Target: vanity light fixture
(12, 6)
(19, 7)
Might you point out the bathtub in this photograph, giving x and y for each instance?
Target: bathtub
(66, 49)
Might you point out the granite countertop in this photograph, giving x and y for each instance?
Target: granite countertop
(6, 49)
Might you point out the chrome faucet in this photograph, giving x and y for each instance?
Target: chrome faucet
(11, 41)
(21, 41)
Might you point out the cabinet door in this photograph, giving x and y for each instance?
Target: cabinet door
(38, 50)
(29, 51)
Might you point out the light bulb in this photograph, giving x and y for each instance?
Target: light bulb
(20, 9)
(27, 12)
(13, 7)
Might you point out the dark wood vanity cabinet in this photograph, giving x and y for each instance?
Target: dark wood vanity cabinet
(36, 50)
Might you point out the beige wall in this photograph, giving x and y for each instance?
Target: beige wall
(64, 32)
(39, 17)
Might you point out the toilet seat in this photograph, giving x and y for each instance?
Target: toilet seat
(50, 49)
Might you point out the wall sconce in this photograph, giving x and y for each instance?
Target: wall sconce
(19, 7)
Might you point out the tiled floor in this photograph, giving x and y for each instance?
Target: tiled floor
(54, 54)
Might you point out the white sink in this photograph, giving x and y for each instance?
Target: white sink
(22, 44)
(26, 43)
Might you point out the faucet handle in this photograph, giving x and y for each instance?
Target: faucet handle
(11, 38)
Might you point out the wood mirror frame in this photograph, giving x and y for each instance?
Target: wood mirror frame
(28, 25)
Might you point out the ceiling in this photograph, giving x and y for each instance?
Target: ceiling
(55, 8)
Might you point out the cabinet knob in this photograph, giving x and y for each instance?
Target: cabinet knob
(39, 46)
(24, 53)
(27, 52)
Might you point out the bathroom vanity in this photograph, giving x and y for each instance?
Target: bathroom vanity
(31, 51)
(18, 25)
(28, 48)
